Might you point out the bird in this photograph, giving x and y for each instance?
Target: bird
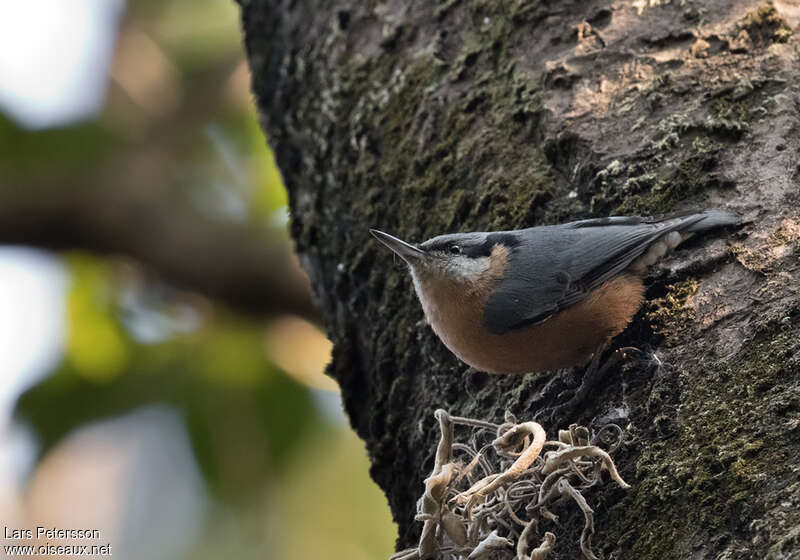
(542, 298)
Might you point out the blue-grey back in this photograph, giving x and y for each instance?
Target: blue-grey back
(553, 267)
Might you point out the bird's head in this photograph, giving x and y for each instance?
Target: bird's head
(458, 258)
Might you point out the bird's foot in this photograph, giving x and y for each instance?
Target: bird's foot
(593, 374)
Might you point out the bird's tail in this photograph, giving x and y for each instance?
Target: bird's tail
(711, 219)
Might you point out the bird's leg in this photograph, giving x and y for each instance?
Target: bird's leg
(594, 373)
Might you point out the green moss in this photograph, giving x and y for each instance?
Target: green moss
(785, 239)
(668, 314)
(684, 183)
(613, 169)
(678, 166)
(764, 25)
(677, 124)
(708, 475)
(461, 151)
(728, 117)
(660, 182)
(704, 145)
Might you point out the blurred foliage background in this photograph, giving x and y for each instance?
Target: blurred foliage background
(162, 371)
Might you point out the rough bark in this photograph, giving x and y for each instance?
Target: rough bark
(429, 117)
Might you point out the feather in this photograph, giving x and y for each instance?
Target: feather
(551, 268)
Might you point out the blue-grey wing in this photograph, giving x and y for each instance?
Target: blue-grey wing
(554, 267)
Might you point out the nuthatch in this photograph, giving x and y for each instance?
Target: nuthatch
(541, 298)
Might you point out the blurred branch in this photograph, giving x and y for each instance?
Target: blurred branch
(129, 205)
(235, 263)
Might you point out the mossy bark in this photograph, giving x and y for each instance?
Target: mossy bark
(428, 117)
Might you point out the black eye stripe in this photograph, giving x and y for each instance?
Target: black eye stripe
(507, 239)
(477, 251)
(471, 248)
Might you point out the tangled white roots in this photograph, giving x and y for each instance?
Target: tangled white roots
(476, 503)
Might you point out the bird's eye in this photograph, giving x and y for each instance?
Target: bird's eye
(455, 250)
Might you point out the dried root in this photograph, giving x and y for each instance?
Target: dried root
(481, 491)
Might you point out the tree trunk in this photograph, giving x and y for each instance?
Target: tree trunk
(427, 117)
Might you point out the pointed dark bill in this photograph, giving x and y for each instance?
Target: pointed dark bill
(406, 251)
